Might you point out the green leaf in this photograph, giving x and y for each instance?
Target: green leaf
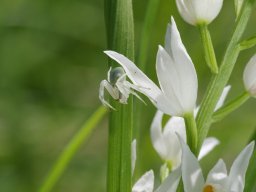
(120, 38)
(70, 150)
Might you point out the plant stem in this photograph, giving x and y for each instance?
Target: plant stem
(72, 147)
(230, 107)
(219, 81)
(120, 38)
(191, 131)
(208, 48)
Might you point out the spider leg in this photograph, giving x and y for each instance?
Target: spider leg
(131, 86)
(124, 92)
(109, 73)
(114, 93)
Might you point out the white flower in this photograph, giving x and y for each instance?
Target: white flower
(218, 180)
(250, 76)
(166, 142)
(145, 183)
(197, 12)
(176, 75)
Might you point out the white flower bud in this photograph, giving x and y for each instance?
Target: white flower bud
(197, 12)
(250, 76)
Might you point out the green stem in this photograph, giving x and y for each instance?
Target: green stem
(219, 81)
(75, 143)
(120, 38)
(230, 107)
(191, 131)
(208, 48)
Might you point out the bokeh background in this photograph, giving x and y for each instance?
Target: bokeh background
(51, 64)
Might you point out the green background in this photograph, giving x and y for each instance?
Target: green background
(51, 64)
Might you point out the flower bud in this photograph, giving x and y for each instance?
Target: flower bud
(197, 12)
(250, 76)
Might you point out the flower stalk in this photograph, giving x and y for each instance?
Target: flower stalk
(208, 48)
(191, 131)
(230, 107)
(120, 37)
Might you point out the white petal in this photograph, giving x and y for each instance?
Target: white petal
(174, 126)
(250, 76)
(176, 72)
(218, 174)
(208, 145)
(165, 140)
(144, 84)
(134, 156)
(168, 79)
(171, 183)
(186, 71)
(192, 176)
(145, 183)
(239, 167)
(186, 11)
(199, 11)
(149, 88)
(222, 97)
(156, 135)
(207, 10)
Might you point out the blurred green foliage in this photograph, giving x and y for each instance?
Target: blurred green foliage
(51, 63)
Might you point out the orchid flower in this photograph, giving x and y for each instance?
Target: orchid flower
(218, 180)
(176, 75)
(165, 140)
(250, 76)
(199, 11)
(166, 143)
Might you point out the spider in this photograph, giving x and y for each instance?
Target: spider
(117, 86)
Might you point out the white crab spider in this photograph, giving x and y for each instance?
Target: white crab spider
(117, 86)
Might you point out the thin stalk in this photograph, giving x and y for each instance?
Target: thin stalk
(208, 48)
(191, 131)
(230, 107)
(219, 81)
(248, 43)
(72, 147)
(120, 38)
